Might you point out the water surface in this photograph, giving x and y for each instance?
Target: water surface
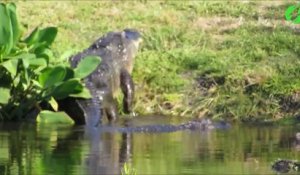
(38, 149)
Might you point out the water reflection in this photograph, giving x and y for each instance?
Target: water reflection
(31, 149)
(107, 152)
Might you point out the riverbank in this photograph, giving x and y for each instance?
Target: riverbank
(237, 60)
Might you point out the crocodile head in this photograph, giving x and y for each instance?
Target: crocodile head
(283, 166)
(131, 41)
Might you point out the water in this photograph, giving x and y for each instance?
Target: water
(30, 149)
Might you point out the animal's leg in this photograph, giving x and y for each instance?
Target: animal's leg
(111, 110)
(127, 87)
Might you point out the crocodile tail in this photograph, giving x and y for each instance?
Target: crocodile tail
(153, 128)
(143, 129)
(91, 107)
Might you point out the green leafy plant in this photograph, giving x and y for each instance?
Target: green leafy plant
(27, 72)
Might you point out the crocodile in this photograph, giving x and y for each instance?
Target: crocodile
(285, 166)
(204, 124)
(117, 51)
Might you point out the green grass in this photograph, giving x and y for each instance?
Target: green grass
(128, 170)
(245, 44)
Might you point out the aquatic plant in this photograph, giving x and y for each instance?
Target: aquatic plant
(28, 71)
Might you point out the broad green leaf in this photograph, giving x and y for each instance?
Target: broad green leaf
(69, 74)
(54, 117)
(42, 36)
(86, 66)
(52, 76)
(4, 95)
(66, 88)
(25, 57)
(48, 35)
(15, 26)
(37, 62)
(25, 63)
(22, 55)
(33, 37)
(53, 104)
(85, 93)
(4, 25)
(44, 53)
(6, 36)
(11, 66)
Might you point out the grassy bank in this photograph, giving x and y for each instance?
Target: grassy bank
(234, 59)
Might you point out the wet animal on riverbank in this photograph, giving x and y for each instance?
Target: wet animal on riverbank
(117, 51)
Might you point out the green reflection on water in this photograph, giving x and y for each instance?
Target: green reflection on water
(30, 149)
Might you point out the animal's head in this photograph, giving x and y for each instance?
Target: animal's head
(132, 39)
(122, 45)
(131, 42)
